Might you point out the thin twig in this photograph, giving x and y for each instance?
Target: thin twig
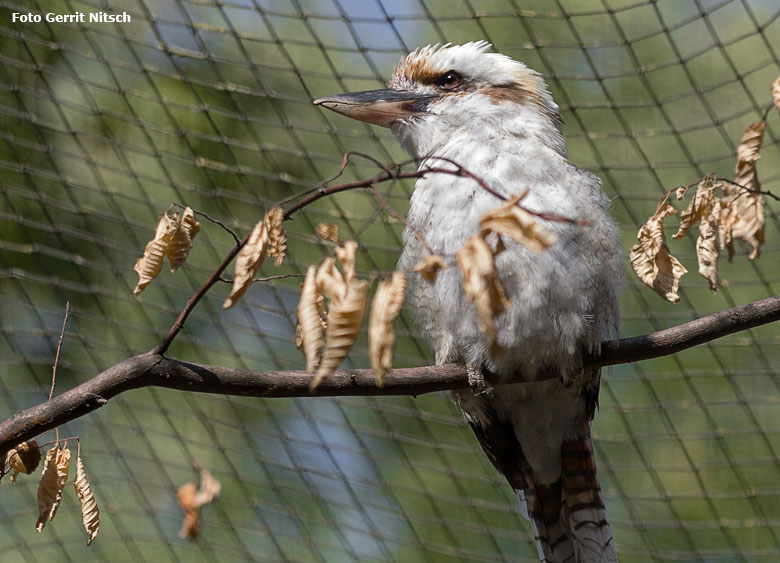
(278, 277)
(745, 189)
(365, 183)
(767, 109)
(749, 190)
(319, 185)
(268, 278)
(461, 171)
(210, 218)
(215, 276)
(59, 347)
(57, 361)
(44, 444)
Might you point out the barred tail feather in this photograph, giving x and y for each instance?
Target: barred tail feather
(568, 516)
(584, 507)
(551, 533)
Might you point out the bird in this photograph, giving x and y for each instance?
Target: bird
(469, 108)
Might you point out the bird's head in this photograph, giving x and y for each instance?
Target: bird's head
(438, 91)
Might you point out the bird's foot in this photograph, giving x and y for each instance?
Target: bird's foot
(477, 381)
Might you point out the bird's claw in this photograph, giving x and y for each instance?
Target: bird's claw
(477, 381)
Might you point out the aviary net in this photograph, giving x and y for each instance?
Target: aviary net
(208, 104)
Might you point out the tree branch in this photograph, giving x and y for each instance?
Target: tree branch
(684, 336)
(153, 369)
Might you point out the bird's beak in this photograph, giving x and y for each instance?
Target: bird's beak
(380, 107)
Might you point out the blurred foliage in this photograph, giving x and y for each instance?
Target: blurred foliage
(208, 104)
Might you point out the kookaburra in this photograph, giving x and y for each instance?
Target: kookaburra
(495, 117)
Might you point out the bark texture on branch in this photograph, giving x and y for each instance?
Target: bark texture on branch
(684, 336)
(152, 369)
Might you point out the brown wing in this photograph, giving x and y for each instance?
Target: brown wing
(500, 444)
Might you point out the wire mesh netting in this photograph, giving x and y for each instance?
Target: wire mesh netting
(208, 103)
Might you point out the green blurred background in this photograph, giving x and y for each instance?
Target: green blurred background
(208, 103)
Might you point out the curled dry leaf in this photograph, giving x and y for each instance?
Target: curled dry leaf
(387, 303)
(651, 259)
(277, 239)
(750, 145)
(704, 210)
(700, 205)
(298, 333)
(53, 479)
(247, 263)
(680, 192)
(149, 265)
(482, 286)
(24, 458)
(344, 321)
(330, 282)
(347, 255)
(707, 245)
(519, 225)
(192, 499)
(776, 93)
(728, 217)
(309, 321)
(429, 267)
(749, 204)
(329, 232)
(186, 496)
(209, 488)
(181, 242)
(90, 514)
(750, 224)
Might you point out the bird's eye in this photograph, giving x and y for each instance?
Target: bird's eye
(449, 80)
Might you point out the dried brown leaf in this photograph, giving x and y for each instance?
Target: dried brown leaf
(707, 250)
(149, 265)
(680, 192)
(344, 321)
(748, 203)
(186, 495)
(482, 286)
(329, 232)
(209, 488)
(309, 321)
(750, 223)
(299, 333)
(749, 146)
(247, 263)
(387, 303)
(53, 479)
(347, 255)
(330, 282)
(728, 218)
(704, 210)
(651, 259)
(277, 239)
(745, 210)
(776, 93)
(90, 514)
(429, 267)
(519, 225)
(24, 458)
(703, 200)
(181, 242)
